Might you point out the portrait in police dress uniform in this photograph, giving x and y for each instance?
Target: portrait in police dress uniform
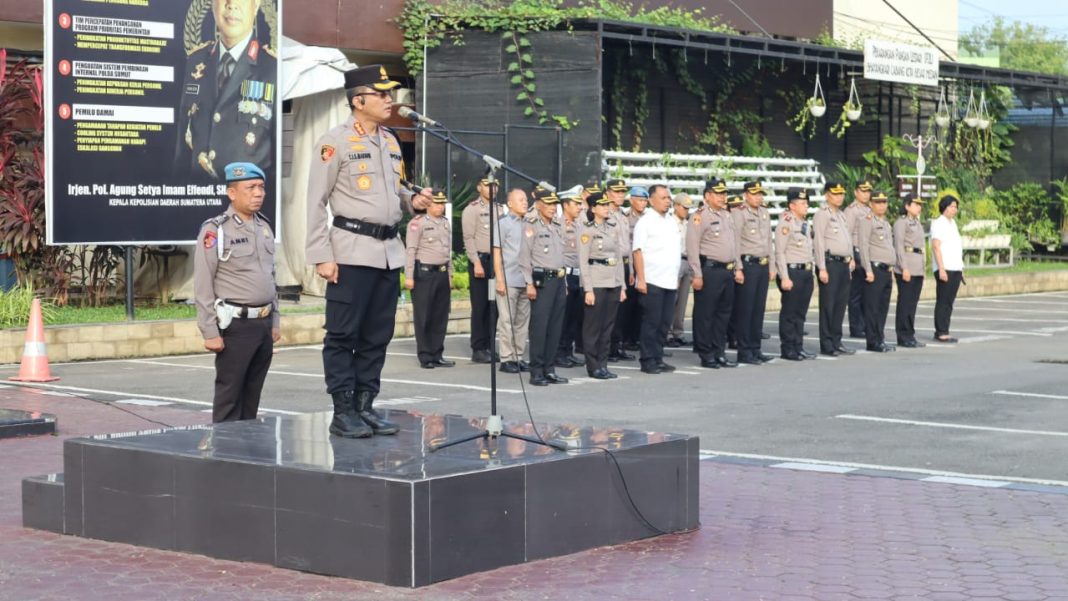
(229, 106)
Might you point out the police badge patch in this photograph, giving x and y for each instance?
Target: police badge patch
(326, 152)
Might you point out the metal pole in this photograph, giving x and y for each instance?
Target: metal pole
(129, 284)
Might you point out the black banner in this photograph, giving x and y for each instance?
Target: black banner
(147, 102)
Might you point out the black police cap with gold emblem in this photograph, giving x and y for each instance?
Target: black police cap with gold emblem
(598, 198)
(834, 187)
(372, 76)
(545, 196)
(734, 201)
(879, 197)
(718, 186)
(864, 186)
(439, 197)
(793, 194)
(616, 185)
(754, 188)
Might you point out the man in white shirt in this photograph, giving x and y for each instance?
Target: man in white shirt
(948, 265)
(656, 266)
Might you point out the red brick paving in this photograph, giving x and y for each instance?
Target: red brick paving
(767, 534)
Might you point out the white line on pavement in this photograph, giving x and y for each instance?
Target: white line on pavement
(909, 422)
(990, 338)
(888, 468)
(1036, 395)
(1060, 303)
(128, 394)
(1009, 310)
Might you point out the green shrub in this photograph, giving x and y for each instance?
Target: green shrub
(460, 281)
(15, 307)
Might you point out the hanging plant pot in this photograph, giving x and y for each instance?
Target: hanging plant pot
(971, 121)
(971, 114)
(817, 110)
(817, 105)
(852, 106)
(982, 123)
(942, 121)
(853, 114)
(942, 118)
(982, 114)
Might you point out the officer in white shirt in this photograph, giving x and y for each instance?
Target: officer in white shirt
(948, 265)
(656, 266)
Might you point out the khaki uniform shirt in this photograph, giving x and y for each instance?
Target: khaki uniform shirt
(600, 241)
(475, 224)
(571, 252)
(854, 213)
(793, 243)
(429, 241)
(830, 234)
(754, 231)
(245, 275)
(543, 247)
(876, 242)
(358, 175)
(711, 234)
(624, 230)
(908, 238)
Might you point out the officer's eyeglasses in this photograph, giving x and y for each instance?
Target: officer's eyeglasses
(380, 94)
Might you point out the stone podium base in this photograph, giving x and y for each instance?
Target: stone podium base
(282, 491)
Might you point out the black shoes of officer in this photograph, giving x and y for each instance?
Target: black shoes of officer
(652, 368)
(677, 342)
(439, 362)
(763, 358)
(723, 361)
(807, 355)
(710, 363)
(482, 356)
(792, 357)
(426, 364)
(346, 423)
(620, 355)
(538, 380)
(364, 408)
(510, 367)
(602, 374)
(568, 361)
(750, 360)
(631, 346)
(911, 344)
(555, 379)
(844, 351)
(880, 348)
(665, 368)
(523, 365)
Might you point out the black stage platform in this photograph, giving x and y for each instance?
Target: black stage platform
(282, 491)
(25, 423)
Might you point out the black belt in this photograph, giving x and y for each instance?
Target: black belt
(626, 260)
(800, 266)
(883, 266)
(611, 262)
(251, 311)
(838, 258)
(432, 268)
(549, 274)
(913, 249)
(374, 230)
(708, 262)
(753, 259)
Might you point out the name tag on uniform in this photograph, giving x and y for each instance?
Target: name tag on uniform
(192, 88)
(356, 156)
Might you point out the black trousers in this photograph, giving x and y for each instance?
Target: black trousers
(857, 285)
(597, 324)
(240, 369)
(546, 322)
(750, 299)
(571, 334)
(481, 326)
(658, 310)
(794, 309)
(622, 331)
(908, 296)
(876, 306)
(431, 300)
(945, 295)
(712, 306)
(361, 311)
(833, 298)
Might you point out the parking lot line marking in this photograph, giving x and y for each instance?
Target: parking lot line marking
(1012, 319)
(1009, 310)
(814, 467)
(453, 357)
(889, 468)
(966, 481)
(909, 422)
(1038, 333)
(129, 394)
(1058, 302)
(1059, 397)
(989, 338)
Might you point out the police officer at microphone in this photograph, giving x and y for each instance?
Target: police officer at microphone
(237, 305)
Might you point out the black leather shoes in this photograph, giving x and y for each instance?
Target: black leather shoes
(600, 374)
(792, 357)
(555, 379)
(845, 351)
(912, 344)
(807, 355)
(723, 361)
(426, 364)
(538, 381)
(652, 369)
(750, 361)
(764, 358)
(509, 367)
(365, 409)
(831, 353)
(631, 346)
(673, 342)
(565, 362)
(443, 363)
(346, 423)
(880, 348)
(665, 368)
(481, 357)
(523, 365)
(709, 363)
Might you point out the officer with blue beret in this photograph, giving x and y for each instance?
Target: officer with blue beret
(236, 299)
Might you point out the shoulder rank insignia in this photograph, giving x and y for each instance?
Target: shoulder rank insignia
(198, 71)
(199, 46)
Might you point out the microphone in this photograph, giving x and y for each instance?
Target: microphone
(408, 113)
(411, 186)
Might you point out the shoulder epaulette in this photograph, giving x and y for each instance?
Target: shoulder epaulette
(199, 47)
(591, 223)
(218, 220)
(264, 217)
(270, 51)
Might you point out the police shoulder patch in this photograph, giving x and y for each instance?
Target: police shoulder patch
(785, 230)
(326, 152)
(787, 217)
(530, 232)
(210, 239)
(868, 216)
(585, 238)
(697, 220)
(414, 224)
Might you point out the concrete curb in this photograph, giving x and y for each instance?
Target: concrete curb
(158, 338)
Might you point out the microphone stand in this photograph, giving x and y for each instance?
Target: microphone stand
(494, 424)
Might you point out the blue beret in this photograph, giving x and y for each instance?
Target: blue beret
(239, 172)
(639, 192)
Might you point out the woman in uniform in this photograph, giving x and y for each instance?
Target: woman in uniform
(601, 278)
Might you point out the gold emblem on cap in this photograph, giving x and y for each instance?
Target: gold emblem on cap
(216, 117)
(382, 72)
(250, 139)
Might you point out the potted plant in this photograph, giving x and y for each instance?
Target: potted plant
(852, 106)
(817, 105)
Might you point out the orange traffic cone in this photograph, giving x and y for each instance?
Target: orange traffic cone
(35, 355)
